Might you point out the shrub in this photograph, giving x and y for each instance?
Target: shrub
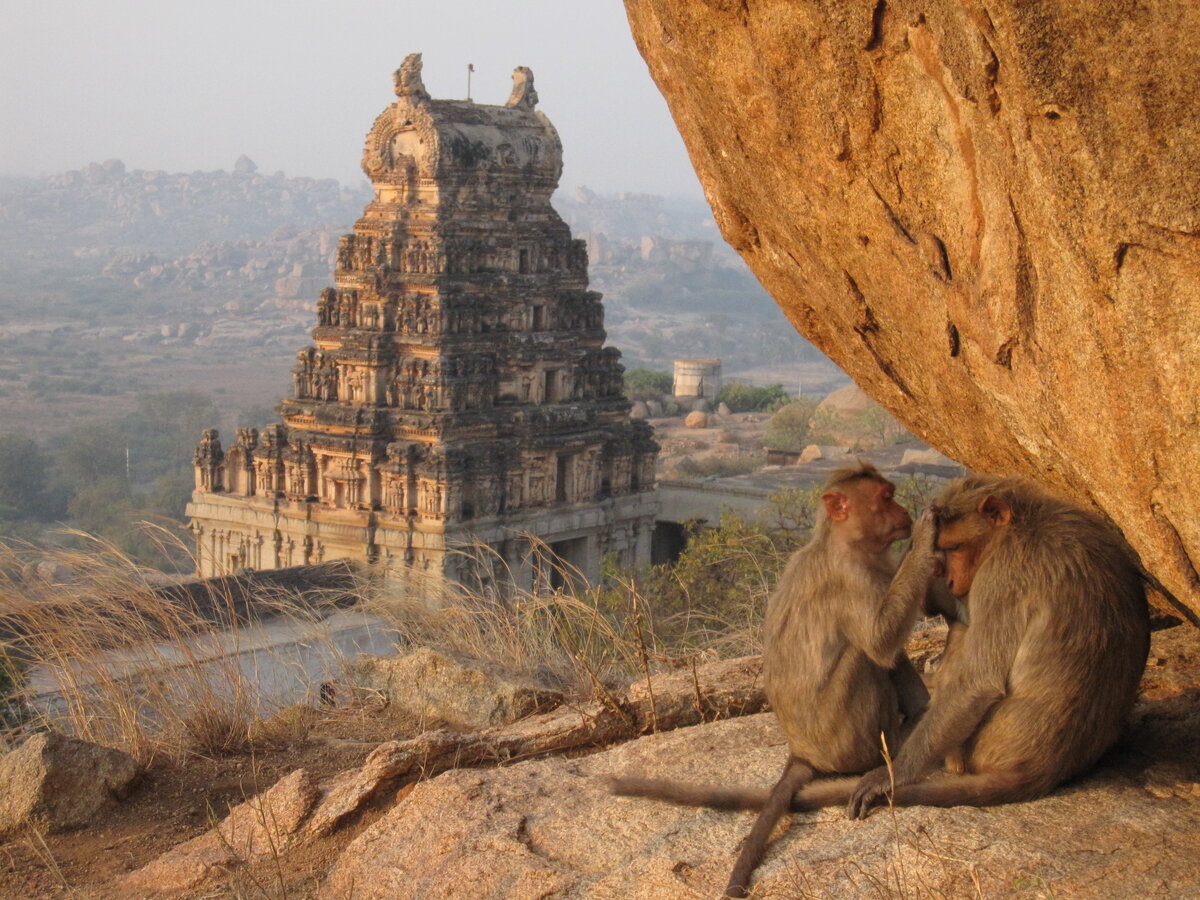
(788, 428)
(133, 667)
(647, 384)
(742, 397)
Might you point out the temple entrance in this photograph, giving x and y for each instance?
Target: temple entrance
(568, 563)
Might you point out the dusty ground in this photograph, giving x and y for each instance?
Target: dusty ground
(735, 439)
(177, 801)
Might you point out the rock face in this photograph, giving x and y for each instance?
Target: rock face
(55, 782)
(263, 826)
(986, 215)
(548, 828)
(468, 693)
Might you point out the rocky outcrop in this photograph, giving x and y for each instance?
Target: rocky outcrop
(985, 214)
(468, 693)
(850, 418)
(264, 826)
(52, 782)
(549, 828)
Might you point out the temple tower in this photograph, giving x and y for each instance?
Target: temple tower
(458, 392)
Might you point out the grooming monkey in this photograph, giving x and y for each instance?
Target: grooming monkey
(1048, 667)
(834, 667)
(1043, 676)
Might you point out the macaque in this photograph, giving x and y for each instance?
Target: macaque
(834, 667)
(1047, 668)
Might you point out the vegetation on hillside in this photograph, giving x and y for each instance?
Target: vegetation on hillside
(742, 397)
(789, 426)
(648, 384)
(105, 478)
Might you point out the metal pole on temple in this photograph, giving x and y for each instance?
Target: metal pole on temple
(470, 69)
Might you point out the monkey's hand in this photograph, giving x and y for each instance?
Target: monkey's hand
(871, 788)
(924, 533)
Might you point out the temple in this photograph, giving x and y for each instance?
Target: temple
(458, 405)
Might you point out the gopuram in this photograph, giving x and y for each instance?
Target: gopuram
(458, 393)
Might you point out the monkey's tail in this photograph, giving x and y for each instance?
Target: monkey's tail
(795, 774)
(683, 794)
(822, 793)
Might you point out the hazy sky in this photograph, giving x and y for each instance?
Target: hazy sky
(162, 84)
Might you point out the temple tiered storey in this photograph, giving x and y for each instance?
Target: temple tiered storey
(458, 392)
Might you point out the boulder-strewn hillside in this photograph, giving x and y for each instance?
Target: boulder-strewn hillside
(986, 214)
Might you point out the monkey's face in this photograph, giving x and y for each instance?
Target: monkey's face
(876, 514)
(971, 520)
(964, 544)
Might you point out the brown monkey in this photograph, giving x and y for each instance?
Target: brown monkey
(1048, 666)
(834, 667)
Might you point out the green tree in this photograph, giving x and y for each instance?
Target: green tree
(89, 453)
(788, 428)
(163, 431)
(22, 479)
(647, 384)
(742, 397)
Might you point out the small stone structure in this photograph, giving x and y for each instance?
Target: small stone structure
(458, 392)
(697, 378)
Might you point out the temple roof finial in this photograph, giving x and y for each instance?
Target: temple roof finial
(523, 93)
(407, 80)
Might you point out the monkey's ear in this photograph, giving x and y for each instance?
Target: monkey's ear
(995, 510)
(837, 505)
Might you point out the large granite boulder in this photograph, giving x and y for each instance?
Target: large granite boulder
(987, 215)
(468, 693)
(548, 828)
(53, 782)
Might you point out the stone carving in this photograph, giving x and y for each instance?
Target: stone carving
(209, 461)
(425, 415)
(407, 80)
(523, 95)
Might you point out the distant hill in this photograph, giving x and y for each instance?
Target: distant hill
(105, 208)
(123, 281)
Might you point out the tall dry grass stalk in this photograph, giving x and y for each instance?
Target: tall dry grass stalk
(558, 629)
(110, 657)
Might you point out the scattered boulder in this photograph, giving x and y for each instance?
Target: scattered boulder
(638, 410)
(853, 419)
(811, 453)
(723, 410)
(696, 419)
(654, 408)
(468, 693)
(266, 825)
(54, 782)
(928, 457)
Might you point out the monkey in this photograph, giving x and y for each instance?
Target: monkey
(834, 667)
(1050, 660)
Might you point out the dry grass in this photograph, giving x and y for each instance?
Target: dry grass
(585, 639)
(112, 660)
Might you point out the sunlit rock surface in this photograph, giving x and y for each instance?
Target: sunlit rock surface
(988, 216)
